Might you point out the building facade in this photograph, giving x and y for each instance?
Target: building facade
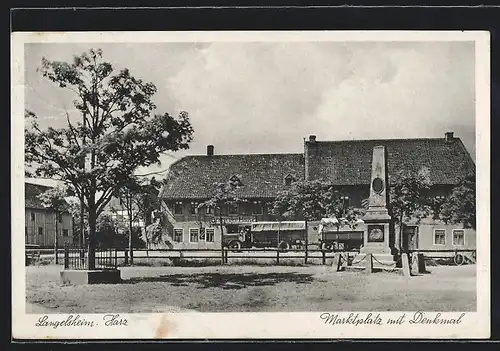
(347, 164)
(40, 223)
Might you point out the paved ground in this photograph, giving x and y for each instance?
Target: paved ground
(254, 288)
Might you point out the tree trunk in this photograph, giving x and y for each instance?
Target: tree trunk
(279, 232)
(56, 239)
(147, 222)
(82, 223)
(401, 233)
(130, 246)
(307, 243)
(221, 236)
(92, 239)
(147, 239)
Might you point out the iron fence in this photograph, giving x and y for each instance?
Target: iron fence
(78, 258)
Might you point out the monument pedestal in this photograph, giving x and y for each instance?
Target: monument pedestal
(376, 239)
(83, 277)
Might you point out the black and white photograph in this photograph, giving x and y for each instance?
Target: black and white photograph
(312, 184)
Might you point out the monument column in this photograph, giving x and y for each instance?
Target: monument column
(377, 220)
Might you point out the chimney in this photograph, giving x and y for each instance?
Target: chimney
(448, 136)
(312, 138)
(210, 150)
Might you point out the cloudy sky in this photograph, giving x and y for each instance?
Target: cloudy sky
(266, 97)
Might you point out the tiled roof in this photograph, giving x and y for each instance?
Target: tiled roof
(262, 175)
(30, 195)
(342, 162)
(349, 162)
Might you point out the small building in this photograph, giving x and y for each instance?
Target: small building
(347, 164)
(40, 222)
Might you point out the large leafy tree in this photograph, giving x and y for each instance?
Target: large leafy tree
(224, 195)
(460, 206)
(117, 131)
(138, 197)
(314, 200)
(409, 197)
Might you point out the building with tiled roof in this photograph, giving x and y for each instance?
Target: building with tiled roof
(262, 175)
(347, 164)
(40, 222)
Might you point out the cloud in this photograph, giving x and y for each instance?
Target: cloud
(266, 97)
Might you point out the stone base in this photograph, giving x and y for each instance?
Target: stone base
(80, 277)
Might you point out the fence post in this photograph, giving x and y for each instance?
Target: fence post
(324, 257)
(126, 257)
(116, 257)
(277, 256)
(82, 256)
(225, 255)
(66, 258)
(369, 263)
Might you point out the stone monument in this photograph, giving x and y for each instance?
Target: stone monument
(376, 238)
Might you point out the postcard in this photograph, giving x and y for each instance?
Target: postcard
(251, 185)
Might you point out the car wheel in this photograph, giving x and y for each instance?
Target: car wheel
(459, 259)
(284, 246)
(235, 245)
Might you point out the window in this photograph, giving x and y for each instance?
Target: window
(289, 179)
(194, 208)
(439, 237)
(209, 235)
(178, 234)
(233, 209)
(209, 210)
(32, 216)
(65, 232)
(202, 234)
(178, 208)
(257, 208)
(193, 235)
(458, 237)
(40, 230)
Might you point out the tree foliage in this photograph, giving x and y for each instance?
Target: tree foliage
(409, 195)
(117, 131)
(224, 194)
(313, 200)
(55, 198)
(460, 206)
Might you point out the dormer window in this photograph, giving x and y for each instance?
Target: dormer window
(236, 180)
(289, 179)
(178, 208)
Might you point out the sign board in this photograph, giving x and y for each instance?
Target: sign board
(233, 220)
